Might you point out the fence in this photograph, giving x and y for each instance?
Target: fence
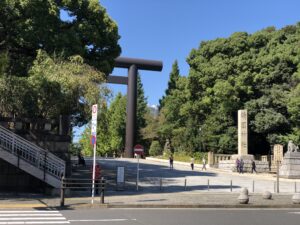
(81, 184)
(161, 184)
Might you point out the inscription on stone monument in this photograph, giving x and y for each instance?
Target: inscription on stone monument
(242, 132)
(278, 153)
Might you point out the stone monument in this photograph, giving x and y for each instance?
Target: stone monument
(278, 153)
(243, 149)
(243, 136)
(290, 166)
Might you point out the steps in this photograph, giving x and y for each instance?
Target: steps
(30, 158)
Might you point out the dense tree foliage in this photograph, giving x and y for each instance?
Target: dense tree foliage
(26, 26)
(155, 149)
(52, 64)
(53, 87)
(117, 123)
(174, 76)
(258, 72)
(140, 112)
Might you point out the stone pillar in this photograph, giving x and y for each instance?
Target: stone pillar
(278, 153)
(242, 132)
(210, 158)
(131, 111)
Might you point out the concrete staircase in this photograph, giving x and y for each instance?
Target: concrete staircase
(30, 158)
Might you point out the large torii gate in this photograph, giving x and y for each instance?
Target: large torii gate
(133, 65)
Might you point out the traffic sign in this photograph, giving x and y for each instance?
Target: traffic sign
(138, 149)
(93, 139)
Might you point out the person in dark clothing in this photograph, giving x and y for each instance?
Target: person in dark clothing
(242, 166)
(192, 163)
(81, 160)
(253, 166)
(237, 163)
(171, 162)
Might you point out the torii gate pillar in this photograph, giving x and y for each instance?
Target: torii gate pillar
(133, 65)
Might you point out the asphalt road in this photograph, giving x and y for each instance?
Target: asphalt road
(154, 217)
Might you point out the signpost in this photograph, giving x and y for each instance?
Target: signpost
(93, 142)
(120, 177)
(138, 151)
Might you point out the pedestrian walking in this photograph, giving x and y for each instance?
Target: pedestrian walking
(171, 161)
(203, 164)
(242, 166)
(237, 163)
(253, 166)
(192, 163)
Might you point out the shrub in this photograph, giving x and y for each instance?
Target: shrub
(155, 148)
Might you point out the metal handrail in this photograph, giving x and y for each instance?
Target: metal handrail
(31, 153)
(66, 184)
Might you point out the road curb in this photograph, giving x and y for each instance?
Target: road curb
(22, 206)
(153, 206)
(202, 206)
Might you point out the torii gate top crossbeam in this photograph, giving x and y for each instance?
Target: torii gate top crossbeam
(143, 64)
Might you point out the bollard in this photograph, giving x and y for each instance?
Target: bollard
(102, 190)
(230, 185)
(295, 187)
(185, 184)
(274, 186)
(62, 193)
(208, 184)
(160, 184)
(253, 186)
(277, 175)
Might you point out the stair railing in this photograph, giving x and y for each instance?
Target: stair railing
(31, 153)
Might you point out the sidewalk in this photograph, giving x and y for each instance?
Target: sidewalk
(154, 200)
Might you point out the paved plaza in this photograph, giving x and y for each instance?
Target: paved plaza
(161, 187)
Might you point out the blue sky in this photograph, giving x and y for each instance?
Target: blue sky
(168, 29)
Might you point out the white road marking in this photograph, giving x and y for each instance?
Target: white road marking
(294, 212)
(103, 220)
(29, 211)
(35, 222)
(33, 218)
(207, 209)
(29, 214)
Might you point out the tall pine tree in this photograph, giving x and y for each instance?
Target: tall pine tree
(141, 111)
(117, 123)
(174, 76)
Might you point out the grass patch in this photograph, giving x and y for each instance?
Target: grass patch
(184, 157)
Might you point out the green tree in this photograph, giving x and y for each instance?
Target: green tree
(172, 117)
(155, 148)
(26, 26)
(257, 72)
(141, 111)
(174, 76)
(117, 123)
(55, 86)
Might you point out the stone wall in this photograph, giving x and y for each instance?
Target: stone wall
(229, 165)
(13, 179)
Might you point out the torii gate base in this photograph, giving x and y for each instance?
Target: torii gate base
(133, 65)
